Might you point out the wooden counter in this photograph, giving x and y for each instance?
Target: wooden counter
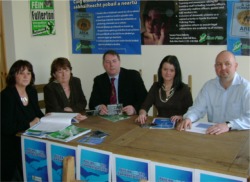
(227, 153)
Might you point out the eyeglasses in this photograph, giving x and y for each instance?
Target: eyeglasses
(226, 64)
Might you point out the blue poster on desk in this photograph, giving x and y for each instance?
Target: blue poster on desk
(56, 154)
(93, 164)
(130, 169)
(207, 176)
(166, 172)
(34, 158)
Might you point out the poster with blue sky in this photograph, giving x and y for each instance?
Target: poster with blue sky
(34, 158)
(93, 164)
(101, 25)
(238, 27)
(130, 169)
(56, 154)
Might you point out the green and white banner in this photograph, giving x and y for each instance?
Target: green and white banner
(42, 17)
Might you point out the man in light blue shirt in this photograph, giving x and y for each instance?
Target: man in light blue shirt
(225, 99)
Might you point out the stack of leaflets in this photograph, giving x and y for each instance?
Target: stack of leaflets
(56, 126)
(68, 134)
(35, 133)
(53, 122)
(162, 123)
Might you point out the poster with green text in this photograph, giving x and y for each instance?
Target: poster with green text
(42, 17)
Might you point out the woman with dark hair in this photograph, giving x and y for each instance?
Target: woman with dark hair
(19, 111)
(170, 95)
(64, 92)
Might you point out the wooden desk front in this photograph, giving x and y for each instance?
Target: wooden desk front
(227, 153)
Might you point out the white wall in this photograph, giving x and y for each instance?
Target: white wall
(195, 60)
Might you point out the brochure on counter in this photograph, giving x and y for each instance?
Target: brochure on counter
(57, 126)
(53, 122)
(162, 123)
(95, 138)
(67, 134)
(200, 127)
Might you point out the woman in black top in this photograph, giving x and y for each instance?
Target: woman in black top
(19, 111)
(170, 95)
(64, 92)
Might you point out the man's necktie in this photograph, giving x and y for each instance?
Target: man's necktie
(113, 92)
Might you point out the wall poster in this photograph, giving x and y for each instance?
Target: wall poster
(186, 22)
(42, 17)
(238, 27)
(100, 25)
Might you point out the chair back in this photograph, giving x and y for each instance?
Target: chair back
(39, 89)
(68, 169)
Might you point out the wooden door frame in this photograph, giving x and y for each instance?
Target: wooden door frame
(3, 51)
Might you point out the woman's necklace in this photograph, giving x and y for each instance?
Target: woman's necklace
(24, 100)
(163, 90)
(23, 95)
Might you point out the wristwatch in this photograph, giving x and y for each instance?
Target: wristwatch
(229, 125)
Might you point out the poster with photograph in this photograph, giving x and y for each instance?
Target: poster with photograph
(42, 17)
(178, 22)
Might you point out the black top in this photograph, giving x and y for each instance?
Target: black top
(131, 89)
(178, 104)
(56, 99)
(15, 117)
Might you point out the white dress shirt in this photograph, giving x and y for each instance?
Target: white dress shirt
(221, 105)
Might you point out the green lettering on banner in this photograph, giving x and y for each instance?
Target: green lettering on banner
(42, 17)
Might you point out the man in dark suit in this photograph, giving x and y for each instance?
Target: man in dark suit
(129, 86)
